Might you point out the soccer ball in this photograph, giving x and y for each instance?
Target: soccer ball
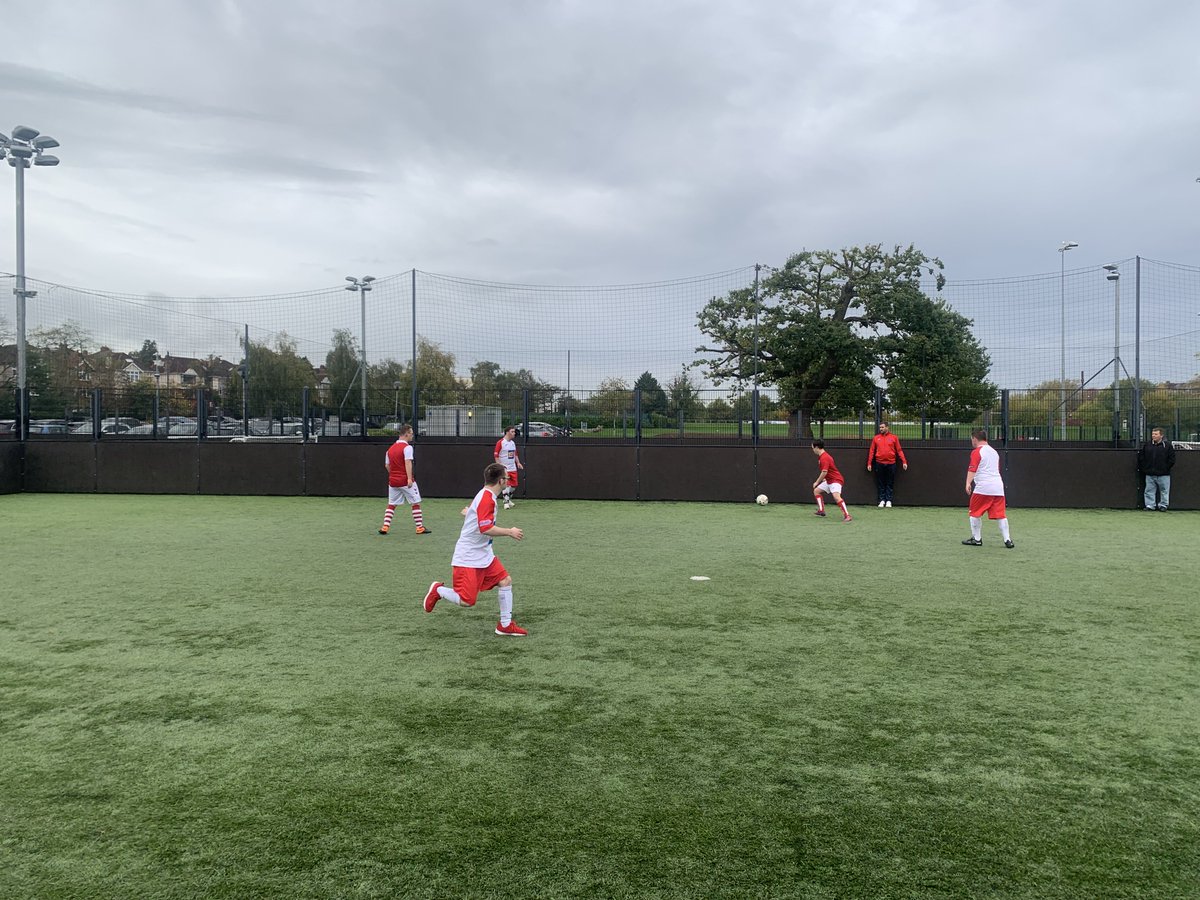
(761, 499)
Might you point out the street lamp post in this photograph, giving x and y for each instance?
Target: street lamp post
(1062, 332)
(26, 147)
(1114, 275)
(362, 285)
(396, 404)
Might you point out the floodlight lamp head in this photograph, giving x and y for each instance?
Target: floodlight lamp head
(368, 278)
(352, 287)
(1113, 276)
(351, 278)
(1111, 267)
(1067, 245)
(45, 159)
(45, 142)
(24, 133)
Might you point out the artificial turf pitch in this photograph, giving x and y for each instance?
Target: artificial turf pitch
(241, 697)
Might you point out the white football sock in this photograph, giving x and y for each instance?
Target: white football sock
(976, 527)
(450, 594)
(505, 605)
(1003, 523)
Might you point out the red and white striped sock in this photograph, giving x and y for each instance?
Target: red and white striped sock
(820, 503)
(418, 519)
(387, 517)
(842, 504)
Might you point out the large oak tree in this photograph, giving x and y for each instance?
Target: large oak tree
(832, 323)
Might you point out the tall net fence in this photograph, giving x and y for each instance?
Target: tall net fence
(1077, 351)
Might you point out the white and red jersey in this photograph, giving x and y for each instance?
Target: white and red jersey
(474, 548)
(397, 471)
(506, 454)
(832, 475)
(985, 463)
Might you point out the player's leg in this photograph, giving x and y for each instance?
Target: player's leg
(819, 496)
(979, 504)
(1151, 492)
(889, 483)
(880, 484)
(466, 583)
(1164, 491)
(413, 495)
(507, 627)
(394, 497)
(836, 490)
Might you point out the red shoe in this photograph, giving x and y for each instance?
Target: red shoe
(432, 598)
(820, 512)
(512, 629)
(423, 530)
(846, 518)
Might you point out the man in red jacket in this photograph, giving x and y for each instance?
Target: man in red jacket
(881, 458)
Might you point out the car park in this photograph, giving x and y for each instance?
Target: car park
(543, 430)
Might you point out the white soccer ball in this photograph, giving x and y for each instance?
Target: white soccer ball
(761, 499)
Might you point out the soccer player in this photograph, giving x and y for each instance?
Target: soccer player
(983, 474)
(476, 566)
(829, 481)
(401, 486)
(885, 449)
(506, 454)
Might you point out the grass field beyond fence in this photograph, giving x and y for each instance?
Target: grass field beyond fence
(241, 697)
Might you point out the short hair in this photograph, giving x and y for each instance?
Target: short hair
(979, 434)
(510, 428)
(493, 473)
(1159, 430)
(405, 429)
(819, 443)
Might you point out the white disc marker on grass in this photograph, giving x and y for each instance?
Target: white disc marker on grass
(701, 578)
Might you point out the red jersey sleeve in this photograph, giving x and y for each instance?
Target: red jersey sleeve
(496, 452)
(486, 511)
(899, 451)
(974, 466)
(871, 452)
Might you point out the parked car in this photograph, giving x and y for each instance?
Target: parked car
(48, 426)
(544, 430)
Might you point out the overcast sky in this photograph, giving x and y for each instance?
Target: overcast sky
(258, 146)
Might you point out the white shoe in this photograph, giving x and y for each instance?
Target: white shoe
(889, 504)
(881, 504)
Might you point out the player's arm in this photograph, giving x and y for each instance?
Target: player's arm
(900, 453)
(820, 479)
(408, 470)
(496, 531)
(971, 470)
(517, 457)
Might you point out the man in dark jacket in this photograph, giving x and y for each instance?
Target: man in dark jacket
(1155, 460)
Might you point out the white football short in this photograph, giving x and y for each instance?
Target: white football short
(398, 496)
(834, 488)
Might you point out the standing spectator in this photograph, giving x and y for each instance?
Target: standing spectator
(401, 484)
(1155, 460)
(506, 454)
(829, 481)
(985, 487)
(476, 566)
(885, 450)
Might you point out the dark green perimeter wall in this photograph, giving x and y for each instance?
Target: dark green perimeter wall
(1081, 478)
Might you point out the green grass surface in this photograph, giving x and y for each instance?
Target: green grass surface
(241, 697)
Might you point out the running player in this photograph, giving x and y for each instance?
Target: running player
(829, 481)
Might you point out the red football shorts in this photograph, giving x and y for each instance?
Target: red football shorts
(986, 503)
(512, 478)
(469, 583)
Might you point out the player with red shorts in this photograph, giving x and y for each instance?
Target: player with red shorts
(475, 564)
(829, 481)
(985, 487)
(506, 454)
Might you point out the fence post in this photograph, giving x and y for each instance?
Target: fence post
(1004, 416)
(878, 407)
(756, 413)
(97, 409)
(23, 413)
(304, 413)
(525, 410)
(637, 416)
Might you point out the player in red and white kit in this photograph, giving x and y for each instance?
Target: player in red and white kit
(401, 486)
(476, 566)
(506, 454)
(829, 481)
(985, 487)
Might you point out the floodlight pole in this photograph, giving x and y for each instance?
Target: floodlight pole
(362, 285)
(1114, 275)
(26, 147)
(1062, 332)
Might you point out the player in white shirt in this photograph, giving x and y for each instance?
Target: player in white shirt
(506, 454)
(985, 487)
(476, 566)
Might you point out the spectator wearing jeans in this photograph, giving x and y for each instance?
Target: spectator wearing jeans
(1155, 460)
(881, 458)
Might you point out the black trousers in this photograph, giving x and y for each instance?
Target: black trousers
(885, 479)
